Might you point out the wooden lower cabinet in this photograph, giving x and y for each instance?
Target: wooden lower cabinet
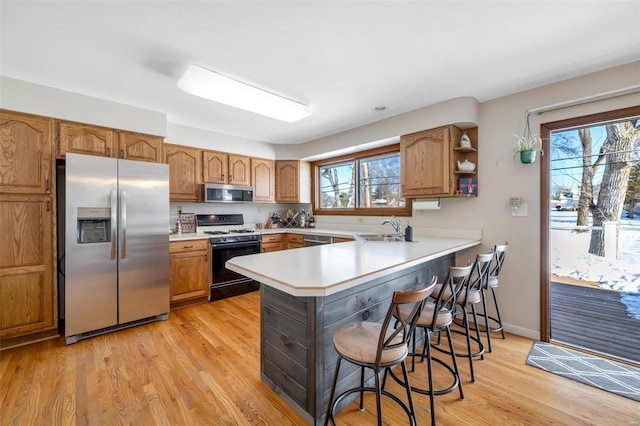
(341, 240)
(189, 272)
(27, 267)
(295, 241)
(271, 242)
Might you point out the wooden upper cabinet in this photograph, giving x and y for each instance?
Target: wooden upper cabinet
(426, 163)
(293, 181)
(263, 176)
(139, 147)
(185, 179)
(215, 167)
(26, 149)
(27, 285)
(86, 139)
(239, 170)
(220, 167)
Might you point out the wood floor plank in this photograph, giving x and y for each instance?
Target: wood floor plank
(202, 367)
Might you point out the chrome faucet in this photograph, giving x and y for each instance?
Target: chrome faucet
(395, 225)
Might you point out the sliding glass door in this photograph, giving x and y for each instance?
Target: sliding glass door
(591, 234)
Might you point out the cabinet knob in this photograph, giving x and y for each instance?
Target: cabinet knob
(122, 153)
(285, 339)
(108, 152)
(230, 178)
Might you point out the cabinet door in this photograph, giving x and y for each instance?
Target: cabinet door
(263, 176)
(215, 167)
(239, 170)
(184, 172)
(25, 154)
(189, 275)
(136, 146)
(27, 296)
(287, 181)
(426, 168)
(86, 139)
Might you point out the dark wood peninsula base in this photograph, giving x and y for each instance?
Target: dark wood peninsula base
(297, 355)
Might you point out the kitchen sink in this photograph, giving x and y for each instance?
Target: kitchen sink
(381, 238)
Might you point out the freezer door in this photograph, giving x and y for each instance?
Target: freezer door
(91, 292)
(143, 246)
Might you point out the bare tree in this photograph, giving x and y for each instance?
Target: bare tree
(633, 190)
(588, 171)
(619, 144)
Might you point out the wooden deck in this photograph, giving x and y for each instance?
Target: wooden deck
(594, 319)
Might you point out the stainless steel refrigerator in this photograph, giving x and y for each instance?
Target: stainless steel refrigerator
(116, 248)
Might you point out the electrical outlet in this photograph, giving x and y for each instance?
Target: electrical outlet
(515, 202)
(360, 220)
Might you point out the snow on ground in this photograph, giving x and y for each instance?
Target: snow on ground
(570, 258)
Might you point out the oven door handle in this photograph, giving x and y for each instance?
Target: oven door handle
(234, 245)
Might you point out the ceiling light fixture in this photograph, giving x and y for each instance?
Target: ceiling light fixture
(211, 85)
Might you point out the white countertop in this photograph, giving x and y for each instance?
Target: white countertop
(309, 231)
(188, 236)
(331, 268)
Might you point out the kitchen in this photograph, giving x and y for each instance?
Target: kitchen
(496, 118)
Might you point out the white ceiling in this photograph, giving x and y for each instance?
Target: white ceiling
(342, 57)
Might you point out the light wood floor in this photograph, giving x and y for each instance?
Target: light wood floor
(202, 367)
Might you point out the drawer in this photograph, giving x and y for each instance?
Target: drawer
(267, 247)
(272, 238)
(295, 238)
(189, 245)
(341, 239)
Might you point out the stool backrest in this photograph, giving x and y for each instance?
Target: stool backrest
(480, 270)
(457, 278)
(500, 252)
(403, 328)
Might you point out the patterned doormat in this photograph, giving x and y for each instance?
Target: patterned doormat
(601, 373)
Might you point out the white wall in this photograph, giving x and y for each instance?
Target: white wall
(184, 135)
(461, 111)
(22, 96)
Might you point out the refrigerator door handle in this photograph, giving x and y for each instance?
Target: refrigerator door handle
(123, 224)
(114, 206)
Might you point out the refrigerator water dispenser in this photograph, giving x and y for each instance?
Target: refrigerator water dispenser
(94, 225)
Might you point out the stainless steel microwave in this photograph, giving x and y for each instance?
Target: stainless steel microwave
(220, 193)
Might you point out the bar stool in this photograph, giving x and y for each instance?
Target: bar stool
(467, 300)
(437, 317)
(378, 346)
(500, 252)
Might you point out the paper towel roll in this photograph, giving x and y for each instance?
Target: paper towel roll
(427, 204)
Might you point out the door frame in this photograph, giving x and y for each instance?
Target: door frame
(545, 179)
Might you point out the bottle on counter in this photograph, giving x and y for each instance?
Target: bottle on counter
(408, 232)
(178, 228)
(311, 223)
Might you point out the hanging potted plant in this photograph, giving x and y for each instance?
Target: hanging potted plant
(528, 145)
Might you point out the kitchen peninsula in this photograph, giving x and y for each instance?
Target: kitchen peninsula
(306, 294)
